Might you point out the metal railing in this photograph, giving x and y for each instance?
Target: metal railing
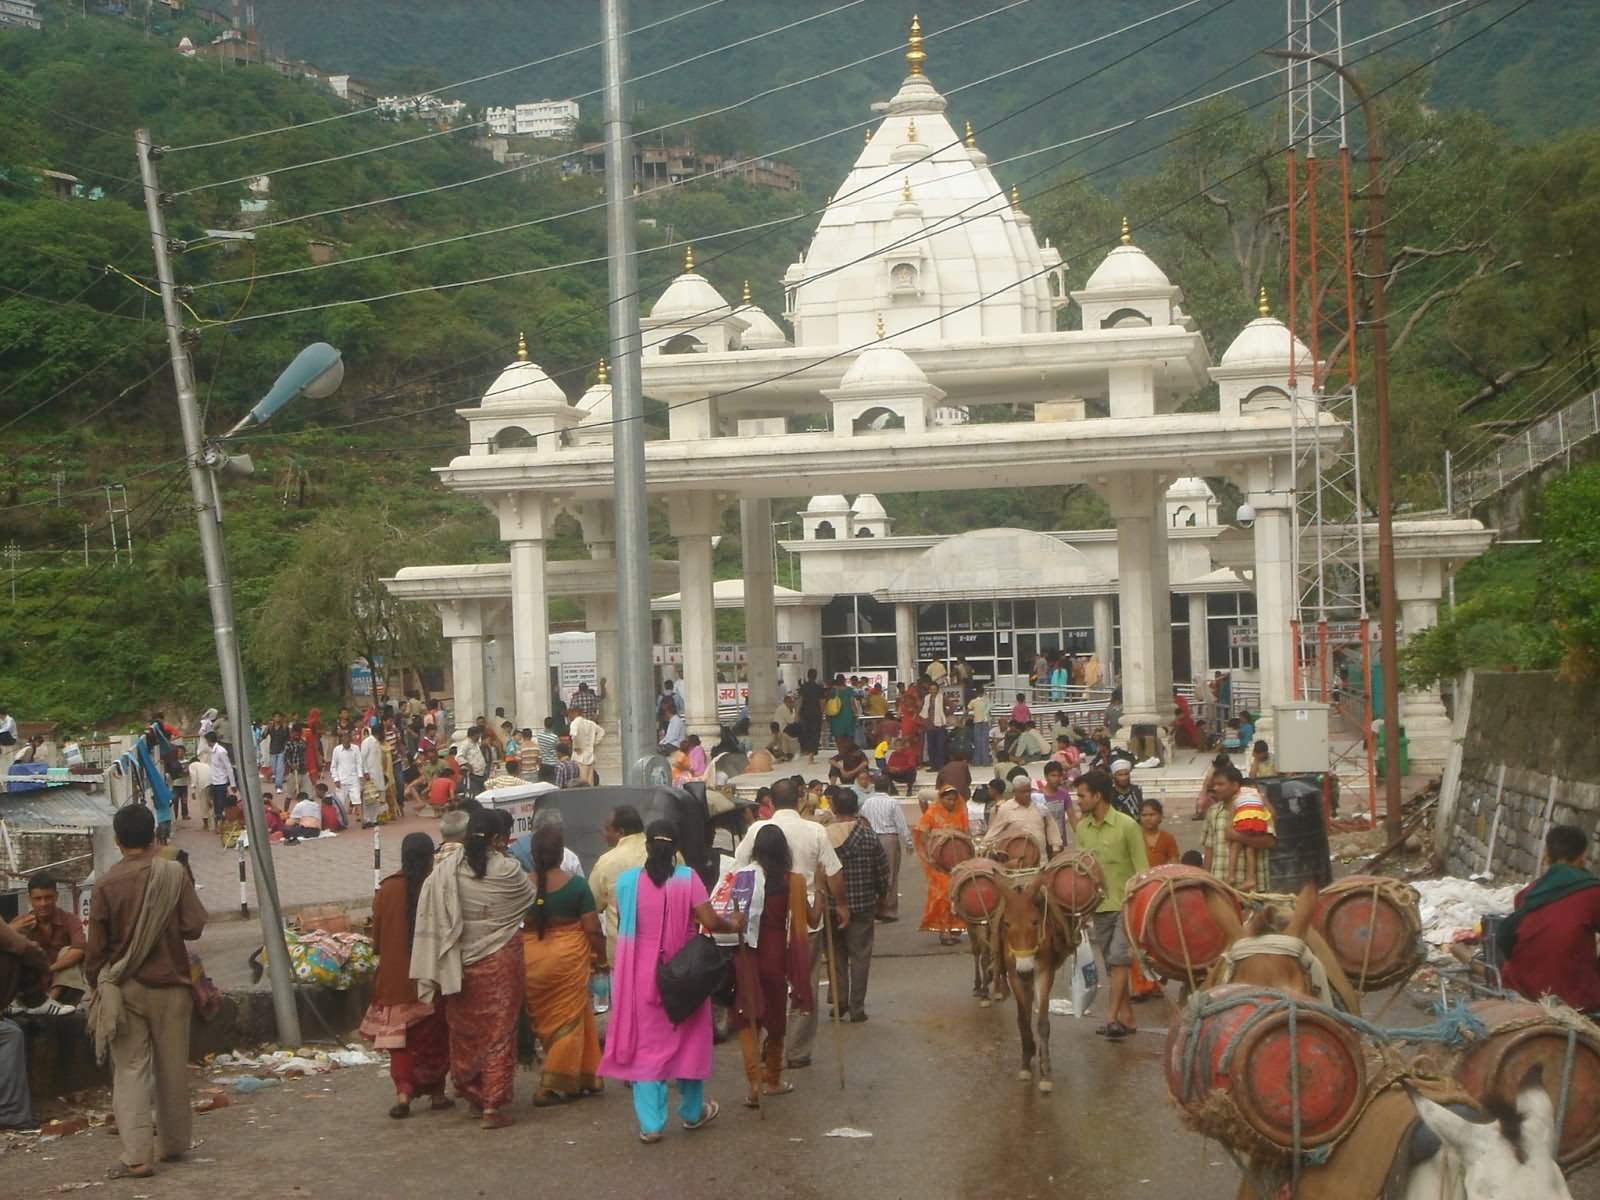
(1546, 440)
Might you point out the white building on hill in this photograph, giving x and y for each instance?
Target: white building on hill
(554, 119)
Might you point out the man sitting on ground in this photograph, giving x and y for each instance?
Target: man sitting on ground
(59, 934)
(1548, 943)
(304, 820)
(1028, 746)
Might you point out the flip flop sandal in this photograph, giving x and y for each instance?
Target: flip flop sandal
(400, 1111)
(649, 1139)
(752, 1101)
(784, 1089)
(124, 1171)
(439, 1102)
(547, 1099)
(710, 1115)
(1116, 1031)
(497, 1120)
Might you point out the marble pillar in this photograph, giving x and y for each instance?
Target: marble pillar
(600, 610)
(530, 606)
(694, 522)
(1138, 506)
(1419, 585)
(462, 624)
(760, 609)
(905, 643)
(1270, 495)
(1105, 641)
(1199, 645)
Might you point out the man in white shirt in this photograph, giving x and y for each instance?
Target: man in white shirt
(935, 722)
(1025, 814)
(673, 737)
(809, 848)
(881, 809)
(199, 788)
(344, 767)
(475, 760)
(304, 821)
(373, 753)
(586, 735)
(220, 777)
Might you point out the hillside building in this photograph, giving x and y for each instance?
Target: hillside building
(553, 119)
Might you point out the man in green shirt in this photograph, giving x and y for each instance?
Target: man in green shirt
(1118, 846)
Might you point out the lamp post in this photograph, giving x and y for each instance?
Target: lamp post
(315, 371)
(1388, 646)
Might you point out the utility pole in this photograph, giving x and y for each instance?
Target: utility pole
(635, 685)
(203, 488)
(13, 552)
(60, 477)
(1377, 270)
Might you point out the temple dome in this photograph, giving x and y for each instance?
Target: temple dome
(1126, 269)
(1265, 342)
(761, 332)
(883, 368)
(524, 385)
(690, 297)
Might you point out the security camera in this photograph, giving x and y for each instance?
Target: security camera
(1245, 516)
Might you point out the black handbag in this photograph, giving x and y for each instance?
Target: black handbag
(691, 976)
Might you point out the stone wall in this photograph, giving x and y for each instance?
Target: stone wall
(1521, 739)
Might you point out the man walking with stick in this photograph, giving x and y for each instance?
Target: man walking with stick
(809, 849)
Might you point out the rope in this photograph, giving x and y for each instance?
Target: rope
(1366, 956)
(1294, 1098)
(1566, 1081)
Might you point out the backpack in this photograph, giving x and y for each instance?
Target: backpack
(833, 707)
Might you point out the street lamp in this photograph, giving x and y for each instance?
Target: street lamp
(1388, 648)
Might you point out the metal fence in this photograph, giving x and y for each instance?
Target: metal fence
(1551, 438)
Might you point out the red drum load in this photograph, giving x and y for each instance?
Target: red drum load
(976, 889)
(1235, 1069)
(1372, 925)
(1165, 915)
(1073, 880)
(1019, 852)
(947, 847)
(1521, 1035)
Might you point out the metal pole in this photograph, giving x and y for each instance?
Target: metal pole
(1377, 269)
(1449, 489)
(202, 488)
(635, 684)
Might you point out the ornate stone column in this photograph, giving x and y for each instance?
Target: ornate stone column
(1270, 494)
(695, 520)
(1199, 645)
(462, 622)
(1138, 505)
(1105, 640)
(760, 608)
(905, 643)
(1419, 584)
(524, 521)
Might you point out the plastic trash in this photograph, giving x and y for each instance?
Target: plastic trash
(847, 1131)
(600, 993)
(249, 1083)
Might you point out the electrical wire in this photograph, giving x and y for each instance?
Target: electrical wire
(27, 412)
(676, 183)
(803, 215)
(1249, 166)
(537, 62)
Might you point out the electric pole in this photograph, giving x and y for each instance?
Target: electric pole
(636, 684)
(203, 488)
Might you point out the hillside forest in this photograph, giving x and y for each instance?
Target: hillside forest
(1491, 281)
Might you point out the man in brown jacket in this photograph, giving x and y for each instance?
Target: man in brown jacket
(138, 963)
(24, 970)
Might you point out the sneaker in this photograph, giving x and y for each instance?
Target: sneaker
(50, 1008)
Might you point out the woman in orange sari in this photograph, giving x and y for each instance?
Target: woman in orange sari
(949, 812)
(561, 944)
(1160, 848)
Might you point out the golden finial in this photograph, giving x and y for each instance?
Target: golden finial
(972, 138)
(911, 130)
(914, 55)
(688, 260)
(905, 189)
(605, 376)
(1127, 233)
(747, 291)
(1016, 198)
(866, 139)
(881, 330)
(1262, 307)
(522, 348)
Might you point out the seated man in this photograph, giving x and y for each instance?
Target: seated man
(304, 820)
(59, 934)
(1028, 746)
(780, 745)
(1548, 943)
(903, 760)
(23, 972)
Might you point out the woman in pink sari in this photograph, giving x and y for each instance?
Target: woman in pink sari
(658, 907)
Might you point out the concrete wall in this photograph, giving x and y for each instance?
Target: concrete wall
(1521, 739)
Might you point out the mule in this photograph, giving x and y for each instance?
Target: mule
(1035, 937)
(1404, 1146)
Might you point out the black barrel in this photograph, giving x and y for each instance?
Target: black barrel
(1301, 854)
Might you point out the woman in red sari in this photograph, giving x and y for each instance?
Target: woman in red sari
(950, 812)
(414, 1033)
(1160, 848)
(467, 949)
(314, 744)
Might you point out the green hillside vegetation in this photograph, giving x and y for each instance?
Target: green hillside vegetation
(1492, 247)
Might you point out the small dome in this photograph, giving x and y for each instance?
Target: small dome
(596, 416)
(1265, 342)
(1126, 268)
(1190, 487)
(868, 506)
(827, 504)
(690, 297)
(880, 367)
(524, 385)
(761, 332)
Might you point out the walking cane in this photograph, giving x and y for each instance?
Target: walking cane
(833, 991)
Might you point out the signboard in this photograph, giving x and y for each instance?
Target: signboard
(731, 653)
(360, 678)
(1249, 633)
(732, 693)
(931, 646)
(1243, 635)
